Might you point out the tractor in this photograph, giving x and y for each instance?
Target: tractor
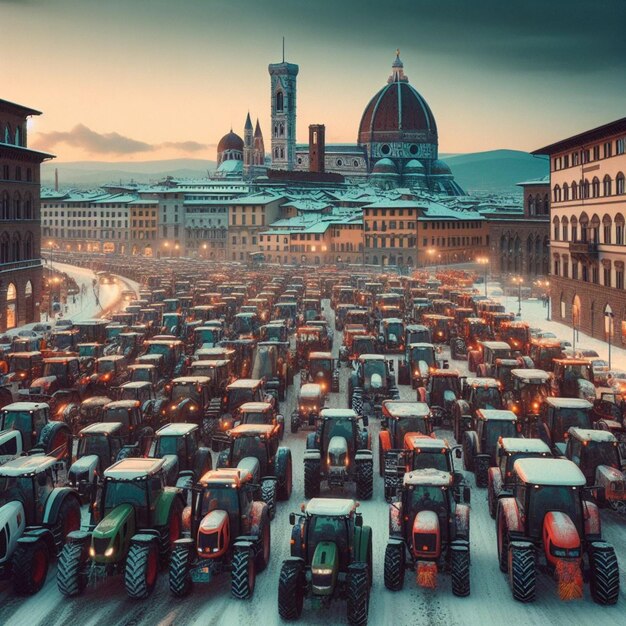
(321, 368)
(428, 532)
(597, 455)
(308, 339)
(482, 360)
(419, 362)
(557, 416)
(371, 382)
(137, 521)
(256, 448)
(311, 400)
(331, 558)
(24, 367)
(529, 389)
(339, 452)
(478, 393)
(391, 335)
(573, 379)
(36, 517)
(186, 460)
(480, 441)
(229, 530)
(272, 362)
(472, 331)
(499, 478)
(550, 520)
(543, 352)
(442, 393)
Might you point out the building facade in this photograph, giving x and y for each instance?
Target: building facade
(20, 219)
(283, 78)
(587, 240)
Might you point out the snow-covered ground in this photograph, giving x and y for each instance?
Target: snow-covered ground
(490, 602)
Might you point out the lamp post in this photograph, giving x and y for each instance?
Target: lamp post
(608, 327)
(166, 245)
(432, 252)
(519, 280)
(483, 260)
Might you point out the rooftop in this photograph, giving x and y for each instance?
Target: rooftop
(27, 465)
(549, 472)
(340, 507)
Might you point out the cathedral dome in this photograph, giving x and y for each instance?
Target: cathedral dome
(231, 141)
(440, 168)
(413, 167)
(385, 166)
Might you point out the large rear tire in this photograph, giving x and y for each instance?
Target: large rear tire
(268, 495)
(68, 520)
(364, 480)
(460, 571)
(171, 532)
(291, 590)
(312, 478)
(502, 541)
(284, 473)
(72, 569)
(180, 576)
(481, 471)
(358, 594)
(522, 572)
(394, 566)
(604, 583)
(243, 574)
(142, 568)
(30, 567)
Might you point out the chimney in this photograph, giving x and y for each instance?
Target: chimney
(317, 147)
(56, 179)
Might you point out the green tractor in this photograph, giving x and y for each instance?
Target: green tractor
(331, 558)
(138, 519)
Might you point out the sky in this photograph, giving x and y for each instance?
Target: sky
(121, 80)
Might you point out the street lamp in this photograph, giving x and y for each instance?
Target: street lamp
(432, 252)
(166, 245)
(518, 280)
(483, 260)
(608, 327)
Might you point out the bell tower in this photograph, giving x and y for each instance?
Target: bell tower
(283, 107)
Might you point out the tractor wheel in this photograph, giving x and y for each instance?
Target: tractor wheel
(72, 569)
(264, 546)
(364, 480)
(502, 540)
(491, 500)
(481, 472)
(54, 435)
(180, 577)
(209, 426)
(295, 423)
(358, 594)
(404, 374)
(291, 585)
(171, 533)
(30, 567)
(394, 566)
(460, 571)
(284, 473)
(142, 568)
(242, 574)
(268, 495)
(522, 572)
(312, 479)
(468, 453)
(604, 583)
(68, 520)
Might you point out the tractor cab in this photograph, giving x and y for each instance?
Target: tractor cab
(322, 370)
(207, 335)
(391, 335)
(24, 367)
(573, 379)
(440, 326)
(400, 418)
(128, 413)
(142, 391)
(263, 413)
(530, 387)
(311, 400)
(21, 425)
(420, 361)
(171, 350)
(272, 362)
(246, 325)
(417, 333)
(558, 415)
(483, 393)
(91, 411)
(275, 331)
(490, 425)
(543, 353)
(517, 335)
(442, 391)
(144, 372)
(308, 339)
(485, 362)
(241, 391)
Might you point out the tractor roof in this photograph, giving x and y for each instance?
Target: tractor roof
(405, 408)
(112, 357)
(123, 404)
(61, 359)
(416, 327)
(338, 413)
(372, 357)
(251, 430)
(25, 406)
(419, 442)
(179, 429)
(557, 472)
(482, 382)
(255, 407)
(392, 320)
(430, 477)
(95, 401)
(332, 507)
(320, 355)
(27, 465)
(531, 375)
(226, 476)
(495, 345)
(135, 468)
(568, 403)
(245, 383)
(144, 366)
(206, 363)
(571, 361)
(138, 384)
(192, 380)
(586, 434)
(25, 355)
(492, 415)
(421, 345)
(519, 444)
(101, 428)
(445, 374)
(310, 390)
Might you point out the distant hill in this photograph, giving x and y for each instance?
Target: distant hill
(495, 170)
(85, 174)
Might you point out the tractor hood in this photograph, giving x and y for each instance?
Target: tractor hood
(338, 452)
(106, 540)
(324, 568)
(12, 522)
(252, 465)
(426, 536)
(42, 383)
(560, 536)
(613, 480)
(213, 536)
(83, 469)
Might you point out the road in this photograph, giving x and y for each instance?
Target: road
(490, 601)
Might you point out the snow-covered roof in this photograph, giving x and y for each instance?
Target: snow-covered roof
(25, 406)
(338, 413)
(481, 382)
(564, 403)
(339, 507)
(27, 465)
(519, 444)
(101, 427)
(586, 434)
(255, 407)
(501, 415)
(192, 380)
(244, 383)
(496, 345)
(430, 476)
(130, 469)
(557, 472)
(531, 375)
(406, 408)
(176, 430)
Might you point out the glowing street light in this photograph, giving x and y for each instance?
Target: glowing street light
(483, 260)
(519, 281)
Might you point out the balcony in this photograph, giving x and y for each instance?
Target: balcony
(583, 249)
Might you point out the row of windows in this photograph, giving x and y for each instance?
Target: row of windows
(84, 206)
(585, 189)
(589, 272)
(538, 205)
(88, 223)
(607, 149)
(244, 241)
(82, 234)
(17, 207)
(16, 248)
(17, 173)
(15, 136)
(95, 214)
(568, 229)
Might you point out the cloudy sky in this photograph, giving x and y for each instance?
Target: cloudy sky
(150, 79)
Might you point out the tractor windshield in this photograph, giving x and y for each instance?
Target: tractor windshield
(494, 429)
(55, 368)
(219, 498)
(395, 329)
(87, 351)
(327, 528)
(16, 420)
(371, 368)
(141, 375)
(565, 418)
(423, 353)
(488, 398)
(19, 363)
(532, 396)
(237, 396)
(206, 335)
(97, 444)
(339, 427)
(411, 425)
(117, 414)
(427, 498)
(598, 453)
(418, 336)
(62, 342)
(16, 488)
(547, 498)
(440, 384)
(320, 366)
(249, 446)
(435, 459)
(181, 391)
(104, 367)
(170, 445)
(125, 492)
(364, 346)
(255, 417)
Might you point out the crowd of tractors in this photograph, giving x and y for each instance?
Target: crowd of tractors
(155, 440)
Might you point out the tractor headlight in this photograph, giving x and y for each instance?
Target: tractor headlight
(92, 551)
(322, 571)
(109, 551)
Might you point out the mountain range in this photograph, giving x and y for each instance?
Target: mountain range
(495, 171)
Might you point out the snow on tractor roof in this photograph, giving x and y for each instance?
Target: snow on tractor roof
(586, 434)
(134, 468)
(138, 384)
(255, 407)
(336, 507)
(179, 429)
(101, 428)
(568, 403)
(372, 357)
(251, 429)
(123, 404)
(482, 382)
(226, 476)
(421, 345)
(430, 476)
(192, 380)
(95, 401)
(514, 445)
(496, 345)
(25, 406)
(501, 415)
(553, 472)
(419, 442)
(310, 390)
(531, 375)
(245, 383)
(406, 408)
(392, 320)
(338, 413)
(320, 355)
(27, 465)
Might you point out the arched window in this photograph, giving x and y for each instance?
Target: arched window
(18, 138)
(546, 204)
(594, 233)
(557, 193)
(7, 134)
(574, 224)
(16, 248)
(531, 205)
(595, 187)
(564, 225)
(619, 184)
(4, 206)
(4, 248)
(28, 246)
(555, 223)
(565, 192)
(574, 191)
(585, 186)
(28, 207)
(584, 226)
(17, 206)
(607, 228)
(11, 312)
(607, 185)
(279, 101)
(619, 229)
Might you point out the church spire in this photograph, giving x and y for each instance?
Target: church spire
(248, 125)
(397, 70)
